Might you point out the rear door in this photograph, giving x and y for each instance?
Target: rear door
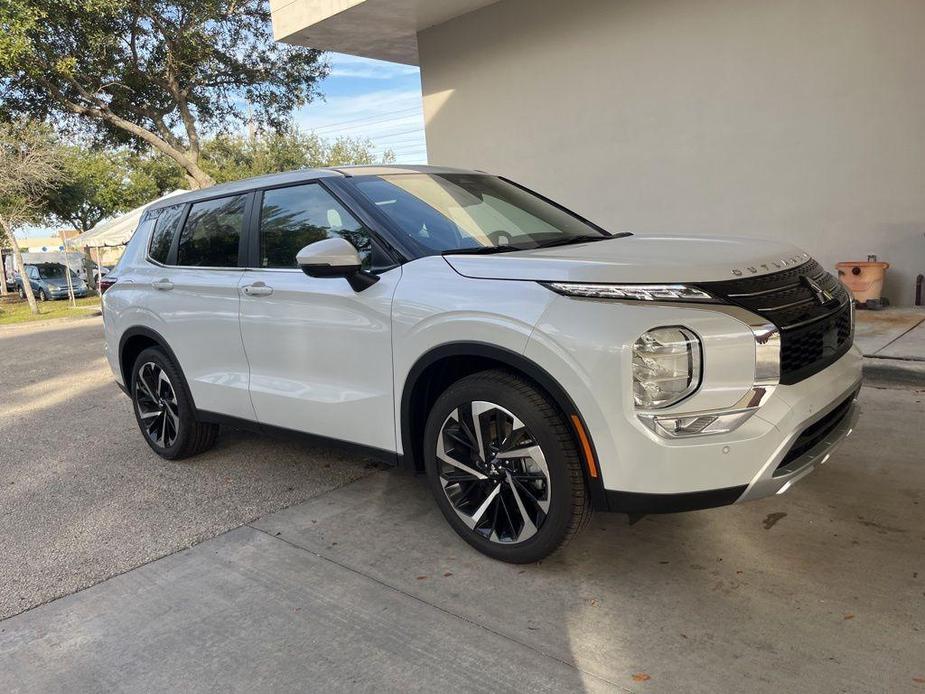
(194, 270)
(320, 353)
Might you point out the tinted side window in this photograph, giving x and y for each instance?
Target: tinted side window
(292, 218)
(168, 221)
(211, 234)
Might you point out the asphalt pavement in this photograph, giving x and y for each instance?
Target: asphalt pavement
(83, 498)
(363, 586)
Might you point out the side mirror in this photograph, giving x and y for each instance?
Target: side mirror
(335, 258)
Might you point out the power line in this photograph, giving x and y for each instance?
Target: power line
(366, 118)
(409, 111)
(419, 144)
(399, 145)
(397, 122)
(403, 132)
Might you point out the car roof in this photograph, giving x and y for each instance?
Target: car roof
(246, 185)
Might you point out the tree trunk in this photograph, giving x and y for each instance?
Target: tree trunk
(26, 284)
(3, 290)
(187, 160)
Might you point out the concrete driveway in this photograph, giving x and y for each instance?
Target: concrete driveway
(83, 498)
(365, 588)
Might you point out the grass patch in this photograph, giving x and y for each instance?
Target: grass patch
(18, 311)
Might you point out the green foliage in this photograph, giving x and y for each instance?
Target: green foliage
(133, 71)
(230, 158)
(98, 185)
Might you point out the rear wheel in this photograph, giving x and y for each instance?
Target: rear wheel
(504, 468)
(164, 409)
(22, 293)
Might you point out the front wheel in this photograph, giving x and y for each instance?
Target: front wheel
(504, 468)
(164, 408)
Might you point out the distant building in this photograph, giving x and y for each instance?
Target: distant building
(44, 244)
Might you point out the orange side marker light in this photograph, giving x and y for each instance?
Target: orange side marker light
(585, 445)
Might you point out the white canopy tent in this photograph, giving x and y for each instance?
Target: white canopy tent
(117, 231)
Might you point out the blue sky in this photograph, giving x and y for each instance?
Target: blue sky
(373, 99)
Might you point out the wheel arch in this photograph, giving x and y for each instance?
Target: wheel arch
(133, 342)
(434, 371)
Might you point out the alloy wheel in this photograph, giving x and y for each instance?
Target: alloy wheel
(156, 402)
(493, 472)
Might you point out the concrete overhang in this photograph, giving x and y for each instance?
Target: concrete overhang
(383, 29)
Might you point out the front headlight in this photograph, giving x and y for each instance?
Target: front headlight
(634, 292)
(666, 367)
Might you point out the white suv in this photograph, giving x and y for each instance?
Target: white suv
(535, 366)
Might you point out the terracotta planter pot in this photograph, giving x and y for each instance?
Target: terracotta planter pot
(863, 278)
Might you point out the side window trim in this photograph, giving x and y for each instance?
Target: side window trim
(252, 251)
(172, 253)
(243, 245)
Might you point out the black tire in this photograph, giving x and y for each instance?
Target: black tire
(42, 295)
(192, 437)
(544, 425)
(22, 293)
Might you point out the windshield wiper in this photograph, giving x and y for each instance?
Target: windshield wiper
(581, 238)
(482, 250)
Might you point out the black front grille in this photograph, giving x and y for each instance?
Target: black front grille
(813, 334)
(816, 432)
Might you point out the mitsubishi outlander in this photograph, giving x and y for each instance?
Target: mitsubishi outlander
(535, 366)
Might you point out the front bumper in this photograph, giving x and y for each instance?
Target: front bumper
(63, 293)
(806, 449)
(789, 436)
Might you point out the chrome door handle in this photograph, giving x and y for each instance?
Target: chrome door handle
(164, 285)
(257, 289)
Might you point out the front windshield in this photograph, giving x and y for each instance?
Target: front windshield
(447, 212)
(52, 272)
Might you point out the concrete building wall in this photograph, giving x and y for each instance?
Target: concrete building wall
(801, 120)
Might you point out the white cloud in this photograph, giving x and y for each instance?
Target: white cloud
(349, 66)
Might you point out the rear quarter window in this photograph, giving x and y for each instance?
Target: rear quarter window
(166, 226)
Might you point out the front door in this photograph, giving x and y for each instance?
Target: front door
(320, 354)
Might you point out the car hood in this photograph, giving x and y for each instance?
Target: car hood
(637, 259)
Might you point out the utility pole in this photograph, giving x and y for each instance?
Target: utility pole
(67, 271)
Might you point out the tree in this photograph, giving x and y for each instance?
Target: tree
(97, 185)
(230, 158)
(31, 163)
(158, 72)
